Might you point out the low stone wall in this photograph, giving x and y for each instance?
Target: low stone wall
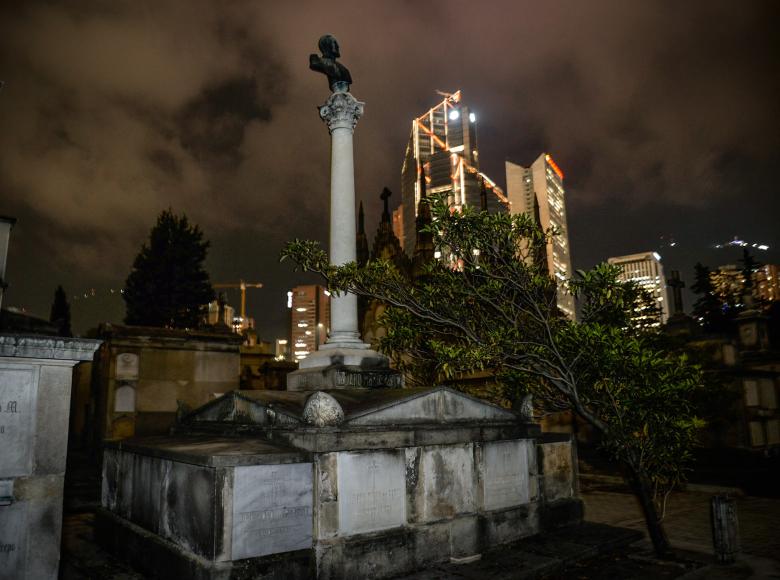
(211, 507)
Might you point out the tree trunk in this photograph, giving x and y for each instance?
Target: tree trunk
(641, 488)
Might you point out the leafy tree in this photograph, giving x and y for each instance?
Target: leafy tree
(168, 286)
(609, 301)
(60, 312)
(493, 306)
(749, 268)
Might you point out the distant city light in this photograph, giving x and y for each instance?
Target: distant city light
(289, 300)
(301, 309)
(454, 114)
(472, 117)
(736, 242)
(657, 256)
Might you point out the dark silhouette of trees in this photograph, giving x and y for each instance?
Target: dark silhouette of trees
(60, 313)
(708, 310)
(168, 286)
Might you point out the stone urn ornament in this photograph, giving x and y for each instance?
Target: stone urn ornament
(322, 410)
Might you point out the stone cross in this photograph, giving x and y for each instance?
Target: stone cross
(341, 113)
(677, 285)
(385, 196)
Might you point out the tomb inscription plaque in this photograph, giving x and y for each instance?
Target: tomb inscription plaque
(505, 474)
(372, 491)
(272, 509)
(126, 366)
(17, 421)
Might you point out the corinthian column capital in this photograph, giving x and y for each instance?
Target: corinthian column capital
(341, 111)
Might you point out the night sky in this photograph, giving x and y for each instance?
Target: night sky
(663, 116)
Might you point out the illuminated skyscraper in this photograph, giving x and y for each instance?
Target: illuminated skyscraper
(444, 140)
(310, 319)
(646, 270)
(538, 191)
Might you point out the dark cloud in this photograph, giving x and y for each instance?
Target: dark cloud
(663, 116)
(212, 125)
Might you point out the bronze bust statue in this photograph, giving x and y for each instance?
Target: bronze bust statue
(339, 78)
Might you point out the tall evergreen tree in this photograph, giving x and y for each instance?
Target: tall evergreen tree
(749, 268)
(708, 308)
(168, 286)
(60, 312)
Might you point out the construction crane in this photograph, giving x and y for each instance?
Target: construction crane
(242, 286)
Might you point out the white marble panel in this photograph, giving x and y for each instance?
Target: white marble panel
(124, 399)
(272, 509)
(505, 475)
(372, 491)
(17, 420)
(448, 481)
(13, 541)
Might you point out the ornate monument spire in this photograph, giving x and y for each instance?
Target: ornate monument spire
(677, 285)
(362, 239)
(423, 247)
(386, 244)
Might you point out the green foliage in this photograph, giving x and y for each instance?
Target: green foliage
(168, 286)
(607, 300)
(60, 312)
(492, 306)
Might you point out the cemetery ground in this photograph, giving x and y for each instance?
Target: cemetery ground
(611, 544)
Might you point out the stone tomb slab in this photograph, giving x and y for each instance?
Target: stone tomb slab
(447, 475)
(505, 476)
(272, 509)
(372, 491)
(17, 421)
(13, 540)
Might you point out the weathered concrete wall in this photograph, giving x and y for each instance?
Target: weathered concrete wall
(207, 505)
(145, 374)
(80, 402)
(35, 386)
(430, 503)
(559, 473)
(406, 479)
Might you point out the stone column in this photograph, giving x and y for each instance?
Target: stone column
(344, 361)
(341, 113)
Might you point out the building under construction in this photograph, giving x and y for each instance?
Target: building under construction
(443, 146)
